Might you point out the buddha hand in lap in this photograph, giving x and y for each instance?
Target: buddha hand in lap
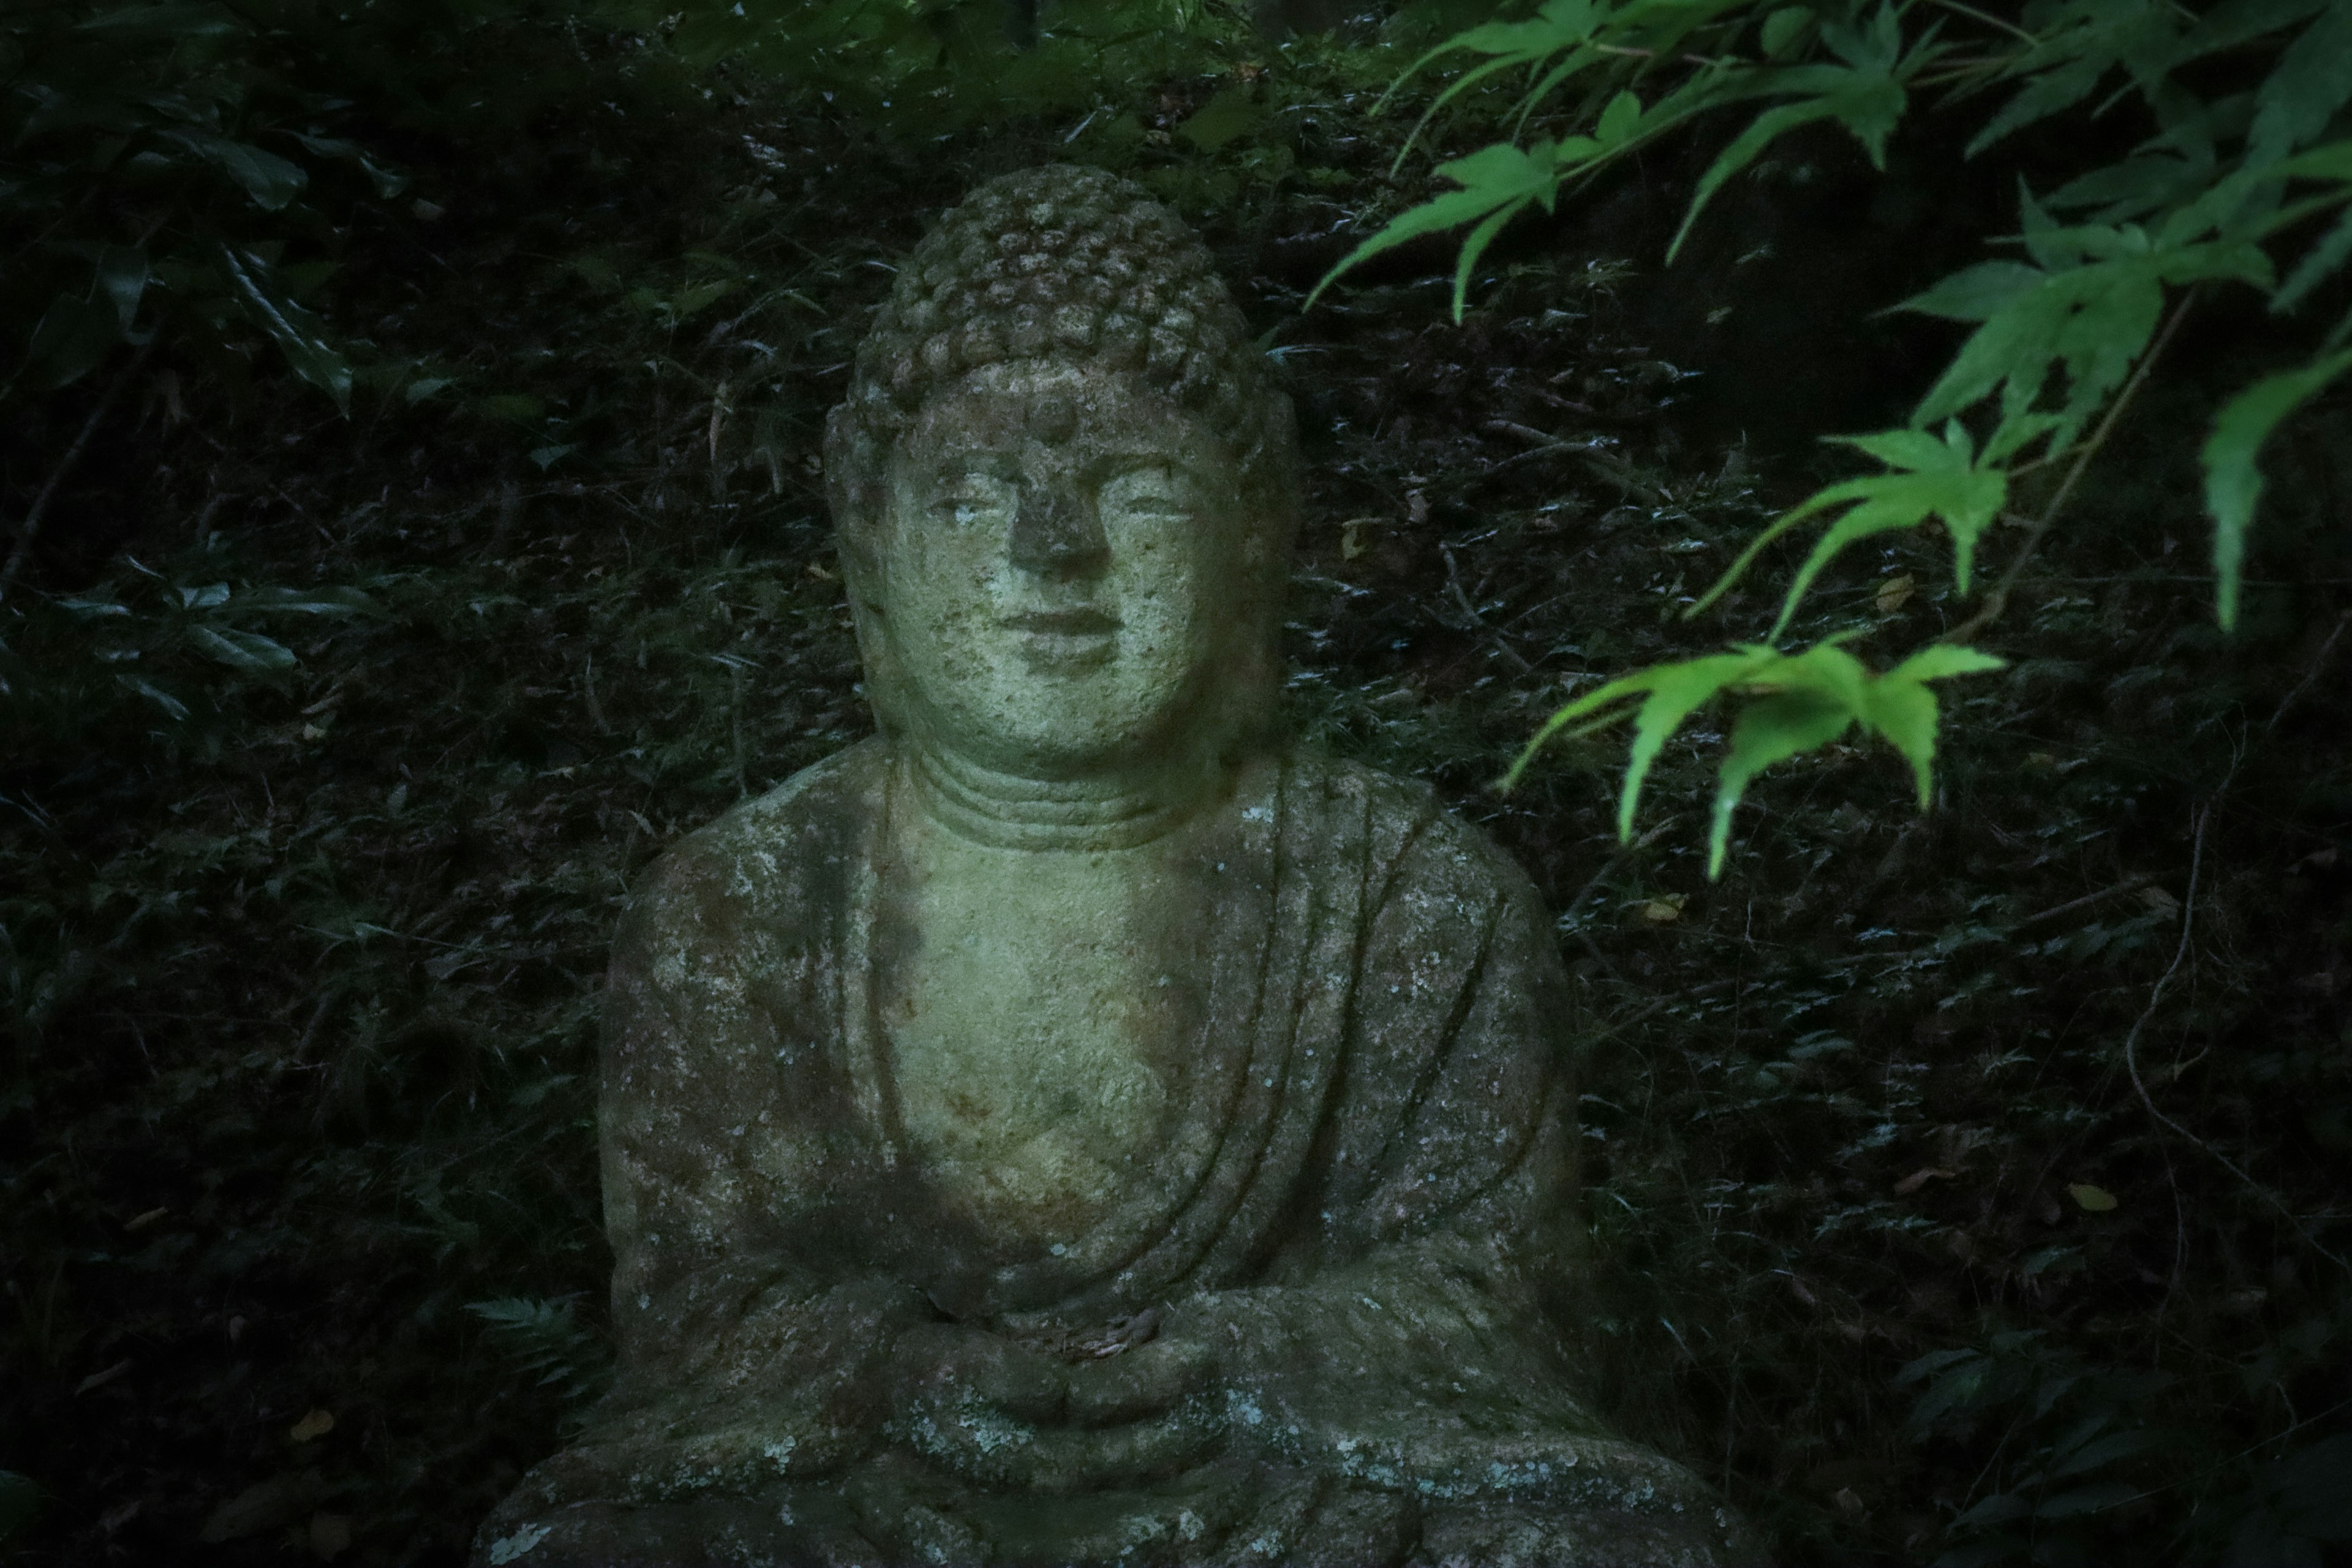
(1077, 1126)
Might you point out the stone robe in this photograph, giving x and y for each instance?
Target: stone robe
(1361, 1198)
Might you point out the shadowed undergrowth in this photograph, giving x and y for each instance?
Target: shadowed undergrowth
(1964, 1182)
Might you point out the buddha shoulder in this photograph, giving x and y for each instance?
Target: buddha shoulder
(791, 849)
(1426, 850)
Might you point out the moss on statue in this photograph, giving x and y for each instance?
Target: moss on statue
(1077, 1126)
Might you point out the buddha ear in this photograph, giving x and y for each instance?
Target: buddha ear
(857, 495)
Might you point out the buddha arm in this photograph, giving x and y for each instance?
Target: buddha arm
(728, 1298)
(1411, 1316)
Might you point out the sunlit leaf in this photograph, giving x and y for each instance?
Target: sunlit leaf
(2234, 479)
(1797, 702)
(1496, 183)
(1932, 479)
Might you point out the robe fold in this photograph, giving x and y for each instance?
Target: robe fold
(1361, 1204)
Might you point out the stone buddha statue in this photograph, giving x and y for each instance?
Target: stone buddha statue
(1077, 1125)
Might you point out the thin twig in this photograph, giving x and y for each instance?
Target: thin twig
(2319, 663)
(30, 528)
(1997, 601)
(2156, 996)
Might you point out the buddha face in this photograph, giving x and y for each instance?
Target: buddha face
(1063, 569)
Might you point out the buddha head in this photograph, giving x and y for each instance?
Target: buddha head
(1064, 486)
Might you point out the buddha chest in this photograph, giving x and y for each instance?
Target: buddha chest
(1037, 1011)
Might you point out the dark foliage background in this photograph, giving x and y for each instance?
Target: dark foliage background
(1968, 1186)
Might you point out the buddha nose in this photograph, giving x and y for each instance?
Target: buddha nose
(1056, 535)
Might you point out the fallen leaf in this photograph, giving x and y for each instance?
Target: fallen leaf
(1920, 1178)
(2096, 1200)
(2157, 898)
(820, 574)
(1664, 910)
(316, 1424)
(140, 1222)
(101, 1379)
(1849, 1501)
(1895, 593)
(1416, 506)
(331, 1535)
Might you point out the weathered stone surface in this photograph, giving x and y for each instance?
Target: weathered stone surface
(1077, 1126)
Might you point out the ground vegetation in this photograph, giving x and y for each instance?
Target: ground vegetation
(1968, 1185)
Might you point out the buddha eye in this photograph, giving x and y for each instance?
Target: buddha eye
(1153, 492)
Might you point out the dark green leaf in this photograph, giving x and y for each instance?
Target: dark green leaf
(268, 179)
(388, 183)
(123, 280)
(1976, 293)
(241, 650)
(171, 706)
(1497, 178)
(2311, 81)
(2096, 1498)
(2321, 262)
(297, 333)
(154, 24)
(20, 1501)
(72, 335)
(1230, 114)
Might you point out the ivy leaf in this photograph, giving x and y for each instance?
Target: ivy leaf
(2234, 479)
(1930, 477)
(242, 650)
